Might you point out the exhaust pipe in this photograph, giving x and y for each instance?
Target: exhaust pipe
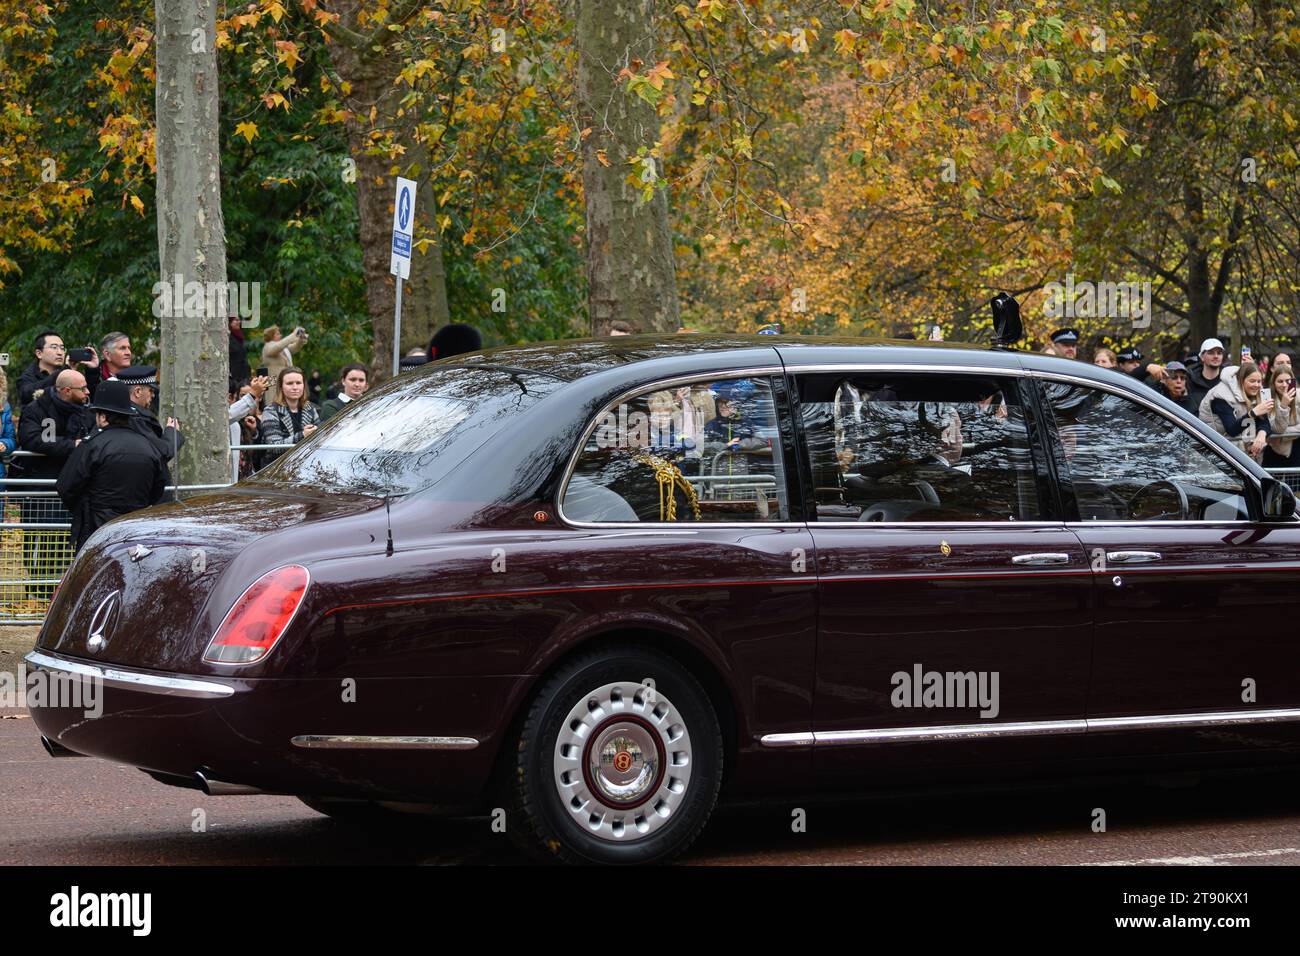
(56, 749)
(220, 788)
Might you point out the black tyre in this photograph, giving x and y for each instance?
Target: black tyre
(619, 761)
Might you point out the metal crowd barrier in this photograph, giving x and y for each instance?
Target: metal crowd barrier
(1290, 475)
(36, 540)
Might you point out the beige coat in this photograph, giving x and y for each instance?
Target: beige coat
(1285, 425)
(1228, 390)
(277, 356)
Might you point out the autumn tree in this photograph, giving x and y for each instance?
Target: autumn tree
(40, 199)
(1207, 208)
(447, 95)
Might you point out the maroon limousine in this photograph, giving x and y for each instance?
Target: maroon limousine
(599, 583)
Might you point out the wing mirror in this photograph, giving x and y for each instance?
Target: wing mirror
(1279, 500)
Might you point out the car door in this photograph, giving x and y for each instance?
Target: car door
(955, 606)
(1197, 597)
(683, 491)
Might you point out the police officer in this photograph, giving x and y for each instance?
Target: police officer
(1065, 343)
(143, 380)
(1131, 364)
(115, 471)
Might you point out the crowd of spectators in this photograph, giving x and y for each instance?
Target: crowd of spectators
(106, 451)
(1252, 404)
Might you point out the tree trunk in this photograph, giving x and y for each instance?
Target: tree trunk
(424, 300)
(424, 294)
(631, 271)
(191, 236)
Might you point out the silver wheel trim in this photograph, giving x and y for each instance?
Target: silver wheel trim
(601, 708)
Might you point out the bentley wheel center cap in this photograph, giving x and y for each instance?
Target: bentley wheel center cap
(624, 763)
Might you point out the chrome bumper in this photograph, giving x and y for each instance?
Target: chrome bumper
(139, 681)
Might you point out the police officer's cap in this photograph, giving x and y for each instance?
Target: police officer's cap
(138, 375)
(1065, 336)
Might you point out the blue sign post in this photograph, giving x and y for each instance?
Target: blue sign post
(399, 263)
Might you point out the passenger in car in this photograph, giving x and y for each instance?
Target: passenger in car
(729, 429)
(994, 404)
(694, 408)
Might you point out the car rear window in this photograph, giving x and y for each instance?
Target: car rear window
(410, 432)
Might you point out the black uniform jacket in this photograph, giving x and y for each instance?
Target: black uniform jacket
(113, 472)
(147, 424)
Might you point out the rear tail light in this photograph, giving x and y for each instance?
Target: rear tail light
(263, 612)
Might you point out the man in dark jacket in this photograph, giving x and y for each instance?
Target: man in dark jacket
(50, 360)
(143, 382)
(115, 471)
(1203, 377)
(53, 424)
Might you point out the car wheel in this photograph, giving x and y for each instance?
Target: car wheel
(619, 760)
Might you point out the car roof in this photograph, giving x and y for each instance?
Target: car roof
(648, 357)
(571, 359)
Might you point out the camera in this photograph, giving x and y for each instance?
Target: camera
(80, 355)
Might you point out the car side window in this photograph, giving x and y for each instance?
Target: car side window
(704, 452)
(1128, 462)
(908, 447)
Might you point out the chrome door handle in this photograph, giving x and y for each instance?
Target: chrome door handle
(1133, 557)
(1044, 558)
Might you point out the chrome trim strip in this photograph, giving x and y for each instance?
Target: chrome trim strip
(954, 525)
(361, 742)
(788, 740)
(1115, 523)
(133, 680)
(676, 380)
(990, 371)
(840, 738)
(1210, 719)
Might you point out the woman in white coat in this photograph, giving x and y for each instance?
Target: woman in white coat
(1235, 409)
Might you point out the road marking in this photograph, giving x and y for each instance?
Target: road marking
(1214, 859)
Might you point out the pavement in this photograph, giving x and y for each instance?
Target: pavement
(80, 810)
